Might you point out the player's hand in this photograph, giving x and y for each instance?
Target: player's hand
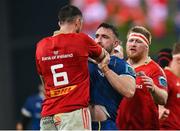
(148, 82)
(105, 61)
(19, 126)
(163, 113)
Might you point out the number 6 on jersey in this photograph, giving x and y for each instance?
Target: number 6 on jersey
(57, 75)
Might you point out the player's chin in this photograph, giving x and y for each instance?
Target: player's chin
(78, 30)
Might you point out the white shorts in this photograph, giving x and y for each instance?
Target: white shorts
(75, 120)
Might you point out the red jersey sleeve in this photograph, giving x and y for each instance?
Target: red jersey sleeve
(159, 78)
(94, 49)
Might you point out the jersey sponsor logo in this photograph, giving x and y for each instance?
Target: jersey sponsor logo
(162, 81)
(55, 57)
(62, 91)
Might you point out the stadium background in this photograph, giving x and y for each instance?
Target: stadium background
(22, 25)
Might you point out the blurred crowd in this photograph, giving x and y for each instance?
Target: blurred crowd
(153, 14)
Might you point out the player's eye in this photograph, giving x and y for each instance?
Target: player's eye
(97, 35)
(105, 36)
(130, 40)
(139, 41)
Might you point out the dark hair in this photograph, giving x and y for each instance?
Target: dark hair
(176, 49)
(164, 57)
(68, 13)
(142, 30)
(111, 27)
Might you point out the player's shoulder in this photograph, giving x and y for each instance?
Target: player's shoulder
(153, 65)
(156, 69)
(43, 41)
(82, 34)
(85, 36)
(116, 60)
(122, 65)
(167, 72)
(30, 99)
(33, 97)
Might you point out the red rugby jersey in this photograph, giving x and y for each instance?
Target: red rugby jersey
(173, 102)
(62, 61)
(140, 112)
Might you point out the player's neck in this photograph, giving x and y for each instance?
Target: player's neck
(138, 62)
(67, 28)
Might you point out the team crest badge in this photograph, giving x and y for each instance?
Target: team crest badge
(130, 70)
(162, 81)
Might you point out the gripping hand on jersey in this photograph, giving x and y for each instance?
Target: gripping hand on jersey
(103, 65)
(148, 82)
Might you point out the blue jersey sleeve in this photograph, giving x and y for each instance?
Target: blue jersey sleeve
(28, 105)
(121, 67)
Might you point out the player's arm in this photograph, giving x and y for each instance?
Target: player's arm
(96, 52)
(22, 124)
(19, 126)
(159, 95)
(124, 84)
(104, 56)
(25, 116)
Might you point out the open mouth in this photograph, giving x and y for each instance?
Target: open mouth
(132, 49)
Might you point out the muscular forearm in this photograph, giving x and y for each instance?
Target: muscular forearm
(125, 85)
(160, 96)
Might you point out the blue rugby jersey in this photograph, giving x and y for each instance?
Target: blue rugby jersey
(101, 92)
(32, 109)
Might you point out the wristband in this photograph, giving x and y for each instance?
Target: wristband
(105, 69)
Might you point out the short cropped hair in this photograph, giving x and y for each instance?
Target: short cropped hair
(68, 13)
(176, 49)
(142, 30)
(111, 27)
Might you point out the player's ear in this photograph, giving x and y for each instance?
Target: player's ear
(78, 21)
(116, 43)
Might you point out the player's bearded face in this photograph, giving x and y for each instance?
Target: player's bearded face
(135, 49)
(104, 37)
